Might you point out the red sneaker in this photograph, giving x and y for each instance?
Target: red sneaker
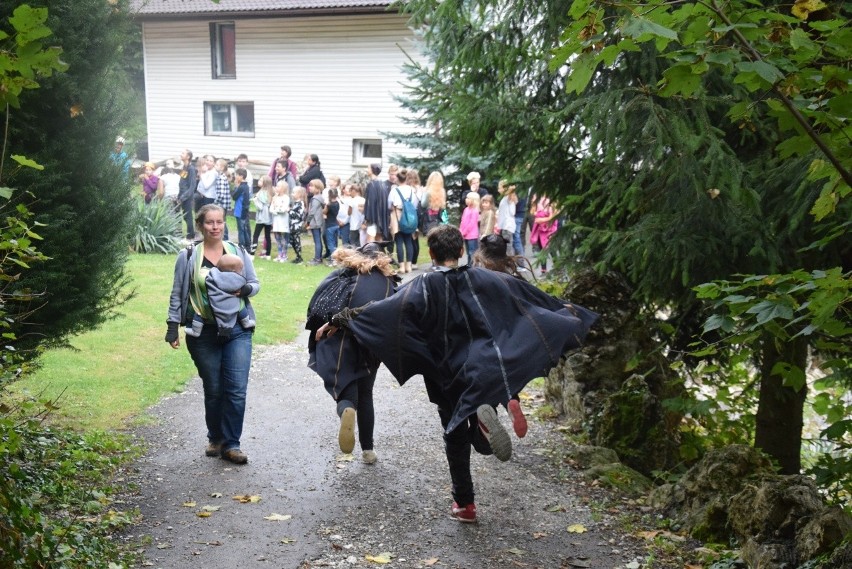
(466, 514)
(519, 422)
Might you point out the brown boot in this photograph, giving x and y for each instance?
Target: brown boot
(235, 455)
(213, 449)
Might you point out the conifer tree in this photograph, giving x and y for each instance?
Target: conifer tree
(668, 190)
(69, 125)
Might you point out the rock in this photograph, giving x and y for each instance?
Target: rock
(587, 456)
(774, 508)
(823, 532)
(768, 555)
(698, 502)
(621, 477)
(594, 387)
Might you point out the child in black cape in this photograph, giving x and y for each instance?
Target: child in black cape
(347, 369)
(477, 337)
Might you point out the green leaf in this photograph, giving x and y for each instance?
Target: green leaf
(642, 29)
(24, 161)
(6, 192)
(793, 376)
(767, 72)
(679, 79)
(581, 71)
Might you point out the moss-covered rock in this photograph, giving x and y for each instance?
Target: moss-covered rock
(620, 477)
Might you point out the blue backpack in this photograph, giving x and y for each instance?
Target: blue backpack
(408, 220)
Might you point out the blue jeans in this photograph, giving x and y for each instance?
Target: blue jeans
(470, 246)
(224, 369)
(517, 242)
(316, 233)
(404, 247)
(244, 233)
(331, 239)
(344, 235)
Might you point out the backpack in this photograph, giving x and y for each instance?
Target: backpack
(331, 296)
(408, 219)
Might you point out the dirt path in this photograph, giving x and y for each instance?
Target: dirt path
(342, 512)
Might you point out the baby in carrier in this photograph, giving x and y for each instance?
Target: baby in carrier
(223, 281)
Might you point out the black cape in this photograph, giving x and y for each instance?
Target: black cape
(339, 359)
(477, 336)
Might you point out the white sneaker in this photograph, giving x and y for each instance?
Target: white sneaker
(369, 457)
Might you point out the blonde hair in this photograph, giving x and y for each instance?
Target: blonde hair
(316, 184)
(472, 198)
(282, 185)
(435, 192)
(487, 199)
(355, 259)
(265, 184)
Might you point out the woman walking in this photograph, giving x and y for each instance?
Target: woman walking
(222, 363)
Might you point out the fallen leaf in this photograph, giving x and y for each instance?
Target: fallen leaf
(577, 528)
(713, 193)
(164, 545)
(209, 508)
(216, 495)
(246, 499)
(202, 514)
(76, 110)
(208, 542)
(555, 508)
(516, 551)
(382, 558)
(633, 565)
(430, 562)
(539, 535)
(288, 540)
(278, 517)
(647, 534)
(189, 504)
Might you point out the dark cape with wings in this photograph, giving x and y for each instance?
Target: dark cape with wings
(339, 359)
(477, 336)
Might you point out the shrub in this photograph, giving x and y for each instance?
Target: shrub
(156, 228)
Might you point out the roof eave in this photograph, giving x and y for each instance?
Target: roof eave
(245, 14)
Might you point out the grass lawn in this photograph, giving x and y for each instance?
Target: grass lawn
(114, 373)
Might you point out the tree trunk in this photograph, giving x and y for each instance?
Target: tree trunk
(780, 409)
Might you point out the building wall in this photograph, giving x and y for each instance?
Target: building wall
(316, 83)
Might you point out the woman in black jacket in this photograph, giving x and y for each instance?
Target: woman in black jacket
(313, 172)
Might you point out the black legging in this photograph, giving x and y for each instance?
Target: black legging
(359, 395)
(267, 234)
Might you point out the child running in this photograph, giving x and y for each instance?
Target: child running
(471, 359)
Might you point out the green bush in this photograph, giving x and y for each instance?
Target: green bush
(156, 228)
(55, 509)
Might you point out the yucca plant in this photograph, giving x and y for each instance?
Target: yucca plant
(157, 228)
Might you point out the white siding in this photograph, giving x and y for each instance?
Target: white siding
(316, 83)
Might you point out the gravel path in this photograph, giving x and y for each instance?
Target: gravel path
(342, 513)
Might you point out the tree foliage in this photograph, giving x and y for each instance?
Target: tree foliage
(68, 126)
(669, 133)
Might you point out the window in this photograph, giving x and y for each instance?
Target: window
(229, 119)
(366, 150)
(223, 50)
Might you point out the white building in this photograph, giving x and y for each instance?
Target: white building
(251, 75)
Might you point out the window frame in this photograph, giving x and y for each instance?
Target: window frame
(233, 118)
(359, 147)
(218, 57)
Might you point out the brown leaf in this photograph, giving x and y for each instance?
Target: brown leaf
(430, 562)
(539, 535)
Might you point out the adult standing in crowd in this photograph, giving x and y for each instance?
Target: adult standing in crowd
(518, 237)
(376, 214)
(474, 180)
(119, 156)
(286, 153)
(313, 172)
(506, 211)
(222, 364)
(404, 192)
(186, 192)
(433, 208)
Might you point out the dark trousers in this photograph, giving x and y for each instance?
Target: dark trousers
(267, 237)
(457, 445)
(188, 218)
(359, 395)
(404, 247)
